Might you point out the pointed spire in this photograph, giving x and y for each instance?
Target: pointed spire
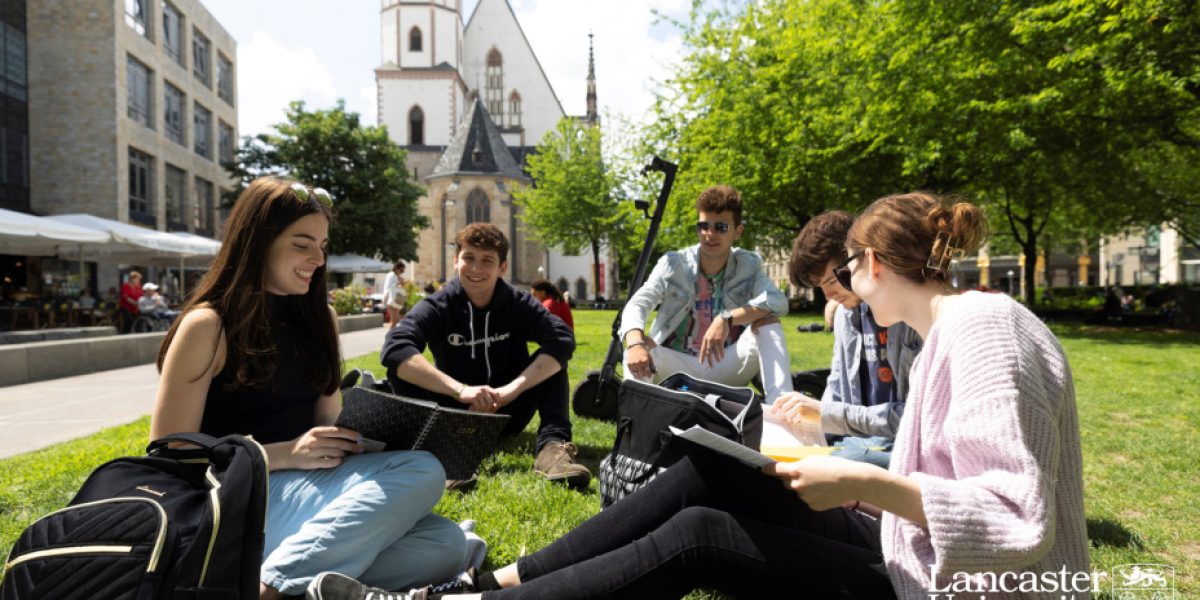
(591, 59)
(593, 117)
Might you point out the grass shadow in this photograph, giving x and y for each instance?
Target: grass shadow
(522, 443)
(1126, 335)
(1107, 532)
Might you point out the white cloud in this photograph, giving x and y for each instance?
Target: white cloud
(629, 60)
(271, 74)
(365, 104)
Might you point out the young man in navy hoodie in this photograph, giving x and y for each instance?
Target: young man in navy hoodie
(477, 327)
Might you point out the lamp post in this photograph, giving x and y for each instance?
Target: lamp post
(1010, 282)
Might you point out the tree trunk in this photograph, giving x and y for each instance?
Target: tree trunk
(1029, 249)
(1026, 231)
(595, 268)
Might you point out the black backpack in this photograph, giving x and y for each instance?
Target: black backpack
(175, 524)
(644, 447)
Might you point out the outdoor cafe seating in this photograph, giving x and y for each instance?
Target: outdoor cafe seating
(52, 313)
(83, 238)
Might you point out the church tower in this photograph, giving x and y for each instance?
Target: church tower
(421, 93)
(469, 103)
(593, 117)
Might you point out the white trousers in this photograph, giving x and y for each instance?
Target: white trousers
(763, 353)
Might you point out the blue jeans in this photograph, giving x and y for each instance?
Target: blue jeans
(368, 518)
(874, 450)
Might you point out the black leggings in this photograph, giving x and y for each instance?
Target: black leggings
(708, 523)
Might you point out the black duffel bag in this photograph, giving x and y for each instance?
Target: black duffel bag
(178, 523)
(644, 446)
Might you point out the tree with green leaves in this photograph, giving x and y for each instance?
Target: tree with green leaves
(771, 98)
(1062, 118)
(375, 202)
(570, 206)
(1135, 66)
(1069, 119)
(991, 119)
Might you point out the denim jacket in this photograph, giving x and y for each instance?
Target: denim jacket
(672, 287)
(842, 410)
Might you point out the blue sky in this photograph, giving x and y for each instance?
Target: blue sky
(322, 50)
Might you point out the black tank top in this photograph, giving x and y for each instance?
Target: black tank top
(284, 408)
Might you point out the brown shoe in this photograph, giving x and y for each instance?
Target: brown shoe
(462, 485)
(556, 462)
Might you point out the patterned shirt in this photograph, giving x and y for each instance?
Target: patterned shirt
(690, 333)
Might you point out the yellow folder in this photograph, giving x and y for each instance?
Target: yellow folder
(795, 453)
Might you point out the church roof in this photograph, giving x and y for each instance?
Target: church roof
(525, 39)
(477, 149)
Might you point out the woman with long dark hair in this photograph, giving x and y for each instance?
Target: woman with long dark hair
(550, 297)
(255, 351)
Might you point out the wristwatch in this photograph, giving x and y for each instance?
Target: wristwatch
(728, 316)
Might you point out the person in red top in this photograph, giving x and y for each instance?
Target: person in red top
(553, 300)
(131, 292)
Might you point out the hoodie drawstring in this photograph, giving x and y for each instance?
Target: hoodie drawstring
(471, 321)
(487, 343)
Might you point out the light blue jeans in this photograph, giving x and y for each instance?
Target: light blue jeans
(874, 450)
(368, 518)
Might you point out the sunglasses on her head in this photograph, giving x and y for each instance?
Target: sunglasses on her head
(842, 271)
(719, 226)
(302, 194)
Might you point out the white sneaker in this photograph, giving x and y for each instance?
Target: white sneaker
(335, 586)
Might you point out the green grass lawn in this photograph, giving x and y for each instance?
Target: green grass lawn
(1138, 412)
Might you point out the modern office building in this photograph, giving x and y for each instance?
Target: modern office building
(131, 107)
(14, 109)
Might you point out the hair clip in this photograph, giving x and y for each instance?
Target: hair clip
(949, 252)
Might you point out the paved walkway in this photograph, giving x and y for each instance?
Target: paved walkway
(36, 415)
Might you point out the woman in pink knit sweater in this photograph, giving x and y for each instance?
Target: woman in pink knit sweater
(984, 497)
(987, 474)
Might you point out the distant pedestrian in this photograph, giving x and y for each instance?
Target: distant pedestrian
(395, 294)
(553, 300)
(131, 292)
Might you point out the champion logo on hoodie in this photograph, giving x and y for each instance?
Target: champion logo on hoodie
(458, 339)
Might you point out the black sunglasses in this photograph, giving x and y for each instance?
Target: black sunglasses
(719, 226)
(842, 271)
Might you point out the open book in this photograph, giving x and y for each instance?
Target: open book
(706, 439)
(460, 439)
(788, 452)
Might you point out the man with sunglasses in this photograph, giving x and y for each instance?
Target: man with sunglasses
(718, 315)
(868, 380)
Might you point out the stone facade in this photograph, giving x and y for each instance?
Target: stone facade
(448, 214)
(420, 162)
(80, 129)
